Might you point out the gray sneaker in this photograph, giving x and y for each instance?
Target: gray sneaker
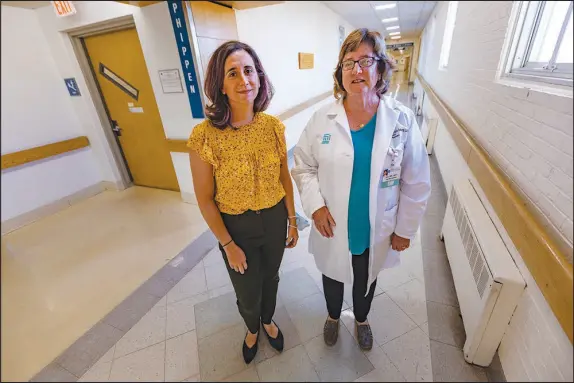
(364, 336)
(331, 332)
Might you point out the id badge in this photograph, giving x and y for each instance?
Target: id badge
(390, 177)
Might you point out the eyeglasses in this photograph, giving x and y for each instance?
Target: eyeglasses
(365, 62)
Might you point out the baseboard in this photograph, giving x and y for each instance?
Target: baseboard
(57, 206)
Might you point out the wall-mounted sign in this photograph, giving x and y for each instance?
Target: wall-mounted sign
(63, 8)
(72, 86)
(399, 46)
(119, 82)
(306, 60)
(170, 81)
(186, 57)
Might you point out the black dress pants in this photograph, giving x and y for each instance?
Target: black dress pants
(261, 235)
(361, 304)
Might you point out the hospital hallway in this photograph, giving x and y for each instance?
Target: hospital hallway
(109, 273)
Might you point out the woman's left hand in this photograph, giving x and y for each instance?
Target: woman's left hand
(399, 243)
(292, 238)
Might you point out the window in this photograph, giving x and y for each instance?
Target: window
(448, 32)
(541, 49)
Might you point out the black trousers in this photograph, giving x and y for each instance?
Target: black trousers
(361, 304)
(261, 235)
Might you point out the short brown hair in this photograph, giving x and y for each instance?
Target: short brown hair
(219, 111)
(384, 65)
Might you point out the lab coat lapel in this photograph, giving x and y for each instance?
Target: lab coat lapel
(337, 112)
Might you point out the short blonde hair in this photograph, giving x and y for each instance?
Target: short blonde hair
(385, 66)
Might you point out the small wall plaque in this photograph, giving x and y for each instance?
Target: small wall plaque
(306, 60)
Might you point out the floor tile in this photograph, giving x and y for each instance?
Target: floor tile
(296, 285)
(425, 328)
(220, 354)
(388, 279)
(439, 283)
(247, 375)
(291, 366)
(448, 365)
(100, 372)
(387, 320)
(308, 316)
(181, 315)
(194, 378)
(219, 291)
(216, 314)
(385, 370)
(148, 331)
(131, 310)
(290, 336)
(411, 298)
(144, 365)
(87, 350)
(445, 324)
(343, 362)
(192, 284)
(216, 276)
(181, 357)
(54, 373)
(411, 354)
(214, 257)
(163, 280)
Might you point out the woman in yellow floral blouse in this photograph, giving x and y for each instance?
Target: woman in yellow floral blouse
(243, 187)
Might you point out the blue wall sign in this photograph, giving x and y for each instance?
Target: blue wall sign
(186, 57)
(72, 86)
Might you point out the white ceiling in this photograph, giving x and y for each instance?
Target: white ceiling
(412, 15)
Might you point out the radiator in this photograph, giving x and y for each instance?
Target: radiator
(487, 281)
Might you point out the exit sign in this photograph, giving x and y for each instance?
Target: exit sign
(64, 8)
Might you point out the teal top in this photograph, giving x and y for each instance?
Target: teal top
(359, 226)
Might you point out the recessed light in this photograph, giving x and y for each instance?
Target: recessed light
(394, 33)
(395, 37)
(385, 6)
(390, 19)
(391, 28)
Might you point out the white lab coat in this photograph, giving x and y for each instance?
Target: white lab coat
(323, 171)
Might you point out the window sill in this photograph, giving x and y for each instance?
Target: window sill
(517, 81)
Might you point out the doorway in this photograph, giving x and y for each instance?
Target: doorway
(120, 74)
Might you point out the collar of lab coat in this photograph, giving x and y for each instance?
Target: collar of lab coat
(387, 116)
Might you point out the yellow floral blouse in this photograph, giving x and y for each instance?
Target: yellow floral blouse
(246, 162)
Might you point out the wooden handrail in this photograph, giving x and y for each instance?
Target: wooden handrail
(22, 157)
(547, 264)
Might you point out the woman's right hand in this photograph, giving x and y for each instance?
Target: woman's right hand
(236, 258)
(324, 222)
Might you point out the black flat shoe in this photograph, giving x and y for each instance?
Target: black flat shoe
(278, 342)
(249, 353)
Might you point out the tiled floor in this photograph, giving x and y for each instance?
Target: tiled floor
(62, 274)
(195, 331)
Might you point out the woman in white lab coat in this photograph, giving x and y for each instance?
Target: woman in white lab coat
(362, 171)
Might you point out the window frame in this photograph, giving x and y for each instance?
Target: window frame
(523, 37)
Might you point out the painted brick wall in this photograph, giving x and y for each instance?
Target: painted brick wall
(529, 133)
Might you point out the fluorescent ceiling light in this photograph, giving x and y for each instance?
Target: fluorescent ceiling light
(395, 37)
(390, 19)
(385, 6)
(391, 28)
(394, 33)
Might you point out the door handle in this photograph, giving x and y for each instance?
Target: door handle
(116, 129)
